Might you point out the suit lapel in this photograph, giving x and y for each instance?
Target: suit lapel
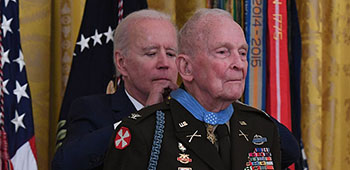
(200, 145)
(121, 104)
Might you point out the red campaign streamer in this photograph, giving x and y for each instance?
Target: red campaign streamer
(278, 90)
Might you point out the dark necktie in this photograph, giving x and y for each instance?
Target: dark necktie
(224, 144)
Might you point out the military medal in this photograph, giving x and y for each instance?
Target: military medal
(210, 134)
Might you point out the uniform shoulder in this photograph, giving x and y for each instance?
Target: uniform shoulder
(246, 108)
(147, 112)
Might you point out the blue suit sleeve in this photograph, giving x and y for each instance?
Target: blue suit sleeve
(86, 143)
(289, 146)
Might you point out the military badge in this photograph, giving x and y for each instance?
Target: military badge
(184, 158)
(242, 123)
(181, 147)
(123, 138)
(134, 116)
(183, 124)
(184, 168)
(244, 135)
(259, 140)
(193, 135)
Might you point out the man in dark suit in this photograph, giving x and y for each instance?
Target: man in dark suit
(203, 126)
(145, 48)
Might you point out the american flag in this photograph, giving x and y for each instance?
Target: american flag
(17, 142)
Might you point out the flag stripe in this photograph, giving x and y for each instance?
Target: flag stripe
(32, 146)
(24, 158)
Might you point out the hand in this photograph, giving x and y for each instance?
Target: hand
(159, 92)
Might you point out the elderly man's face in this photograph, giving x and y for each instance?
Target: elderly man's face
(151, 55)
(222, 68)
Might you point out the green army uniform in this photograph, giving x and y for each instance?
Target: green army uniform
(254, 141)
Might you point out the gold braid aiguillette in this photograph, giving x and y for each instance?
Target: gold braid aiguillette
(210, 133)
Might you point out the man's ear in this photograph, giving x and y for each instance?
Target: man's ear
(120, 63)
(184, 66)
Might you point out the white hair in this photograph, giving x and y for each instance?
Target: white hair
(194, 33)
(122, 32)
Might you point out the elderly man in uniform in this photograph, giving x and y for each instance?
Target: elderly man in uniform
(203, 126)
(145, 50)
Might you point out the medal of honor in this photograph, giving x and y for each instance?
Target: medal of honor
(210, 134)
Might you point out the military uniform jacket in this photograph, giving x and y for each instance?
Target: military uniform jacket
(134, 147)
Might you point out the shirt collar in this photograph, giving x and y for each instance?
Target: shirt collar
(136, 103)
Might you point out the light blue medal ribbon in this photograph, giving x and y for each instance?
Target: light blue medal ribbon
(198, 111)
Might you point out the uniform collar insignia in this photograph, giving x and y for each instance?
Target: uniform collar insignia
(242, 123)
(183, 124)
(134, 116)
(193, 135)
